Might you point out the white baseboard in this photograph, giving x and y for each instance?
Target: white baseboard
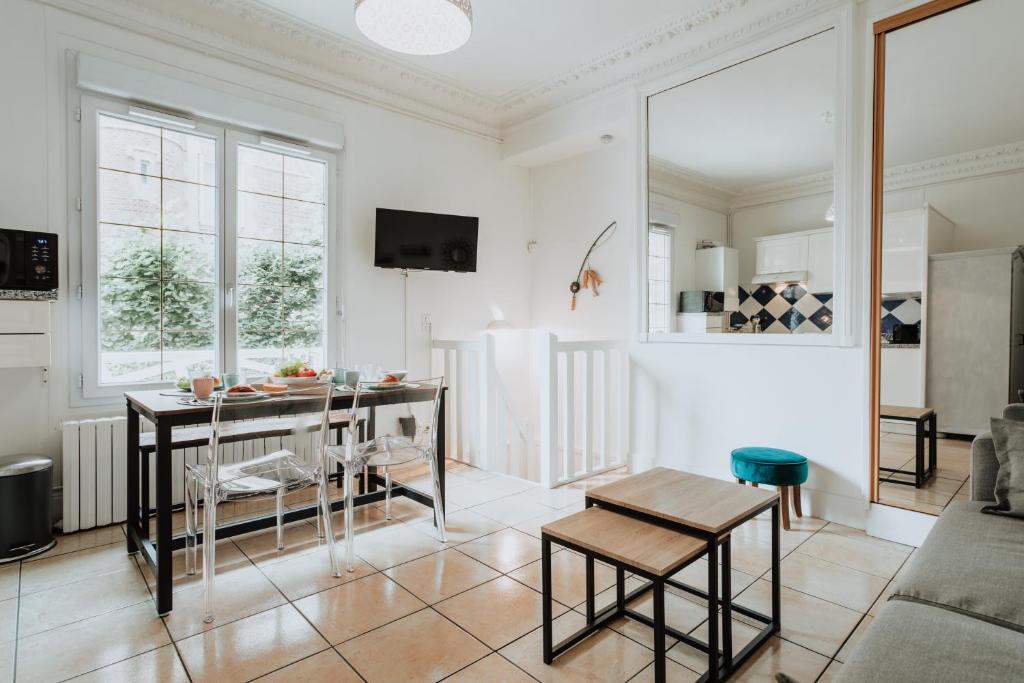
(851, 512)
(899, 525)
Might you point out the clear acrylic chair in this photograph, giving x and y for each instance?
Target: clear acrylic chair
(302, 430)
(415, 443)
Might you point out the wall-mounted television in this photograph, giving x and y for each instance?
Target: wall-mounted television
(425, 241)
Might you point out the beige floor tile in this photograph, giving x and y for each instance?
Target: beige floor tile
(568, 577)
(501, 485)
(694, 659)
(310, 573)
(10, 578)
(674, 673)
(383, 548)
(607, 597)
(250, 647)
(493, 669)
(237, 594)
(680, 613)
(806, 620)
(422, 647)
(324, 667)
(831, 671)
(299, 538)
(469, 472)
(882, 599)
(511, 509)
(466, 495)
(156, 666)
(828, 581)
(462, 526)
(83, 540)
(759, 531)
(751, 558)
(439, 576)
(72, 602)
(860, 552)
(533, 525)
(407, 510)
(228, 556)
(696, 575)
(8, 619)
(505, 550)
(854, 638)
(356, 607)
(605, 656)
(497, 612)
(779, 655)
(7, 656)
(90, 644)
(554, 498)
(61, 569)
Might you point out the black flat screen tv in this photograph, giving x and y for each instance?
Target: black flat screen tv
(425, 241)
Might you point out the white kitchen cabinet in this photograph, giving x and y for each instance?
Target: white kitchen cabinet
(820, 261)
(908, 237)
(781, 254)
(24, 334)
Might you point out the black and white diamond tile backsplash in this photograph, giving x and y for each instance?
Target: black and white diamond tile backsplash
(784, 310)
(905, 311)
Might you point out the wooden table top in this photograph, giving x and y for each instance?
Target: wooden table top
(905, 412)
(157, 403)
(703, 503)
(646, 546)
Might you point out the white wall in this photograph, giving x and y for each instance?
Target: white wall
(389, 160)
(803, 213)
(692, 225)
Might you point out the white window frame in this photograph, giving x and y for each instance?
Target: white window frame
(667, 233)
(85, 362)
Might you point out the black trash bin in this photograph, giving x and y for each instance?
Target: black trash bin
(26, 489)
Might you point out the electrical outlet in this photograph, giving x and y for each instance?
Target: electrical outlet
(425, 321)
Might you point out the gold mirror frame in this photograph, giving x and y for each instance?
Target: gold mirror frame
(881, 29)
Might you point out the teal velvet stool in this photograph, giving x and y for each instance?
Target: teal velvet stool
(784, 469)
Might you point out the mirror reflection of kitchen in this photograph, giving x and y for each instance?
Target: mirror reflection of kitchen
(741, 196)
(952, 308)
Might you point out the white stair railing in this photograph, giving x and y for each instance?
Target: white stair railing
(461, 364)
(584, 408)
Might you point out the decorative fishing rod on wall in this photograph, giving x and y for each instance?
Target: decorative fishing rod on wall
(587, 277)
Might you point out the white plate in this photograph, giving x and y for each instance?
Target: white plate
(384, 386)
(248, 396)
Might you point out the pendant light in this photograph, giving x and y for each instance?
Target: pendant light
(416, 27)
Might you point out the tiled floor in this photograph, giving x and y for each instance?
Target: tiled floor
(949, 483)
(417, 610)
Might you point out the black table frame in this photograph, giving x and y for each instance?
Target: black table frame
(920, 474)
(158, 552)
(721, 662)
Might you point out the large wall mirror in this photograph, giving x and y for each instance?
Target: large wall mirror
(741, 203)
(948, 270)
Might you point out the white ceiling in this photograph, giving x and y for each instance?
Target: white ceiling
(754, 123)
(955, 83)
(516, 44)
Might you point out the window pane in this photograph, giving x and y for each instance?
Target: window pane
(259, 329)
(260, 171)
(190, 207)
(128, 146)
(129, 199)
(129, 356)
(188, 306)
(186, 351)
(304, 179)
(304, 266)
(259, 262)
(129, 252)
(259, 216)
(129, 304)
(303, 307)
(303, 222)
(189, 256)
(189, 157)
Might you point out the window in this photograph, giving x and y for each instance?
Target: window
(659, 279)
(204, 247)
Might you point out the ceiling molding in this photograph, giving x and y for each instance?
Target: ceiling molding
(676, 182)
(784, 190)
(966, 165)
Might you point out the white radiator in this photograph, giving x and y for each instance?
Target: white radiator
(95, 475)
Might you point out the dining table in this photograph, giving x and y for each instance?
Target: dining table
(167, 410)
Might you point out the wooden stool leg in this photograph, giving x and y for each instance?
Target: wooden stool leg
(741, 481)
(785, 506)
(754, 484)
(797, 505)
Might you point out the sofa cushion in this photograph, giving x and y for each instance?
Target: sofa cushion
(1008, 437)
(970, 563)
(912, 642)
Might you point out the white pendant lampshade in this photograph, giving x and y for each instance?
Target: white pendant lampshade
(416, 27)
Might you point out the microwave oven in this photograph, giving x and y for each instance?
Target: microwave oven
(28, 260)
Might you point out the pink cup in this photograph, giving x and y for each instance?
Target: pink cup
(202, 387)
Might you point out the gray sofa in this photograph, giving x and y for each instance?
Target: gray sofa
(957, 612)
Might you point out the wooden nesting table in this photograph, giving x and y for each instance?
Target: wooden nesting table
(709, 510)
(918, 417)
